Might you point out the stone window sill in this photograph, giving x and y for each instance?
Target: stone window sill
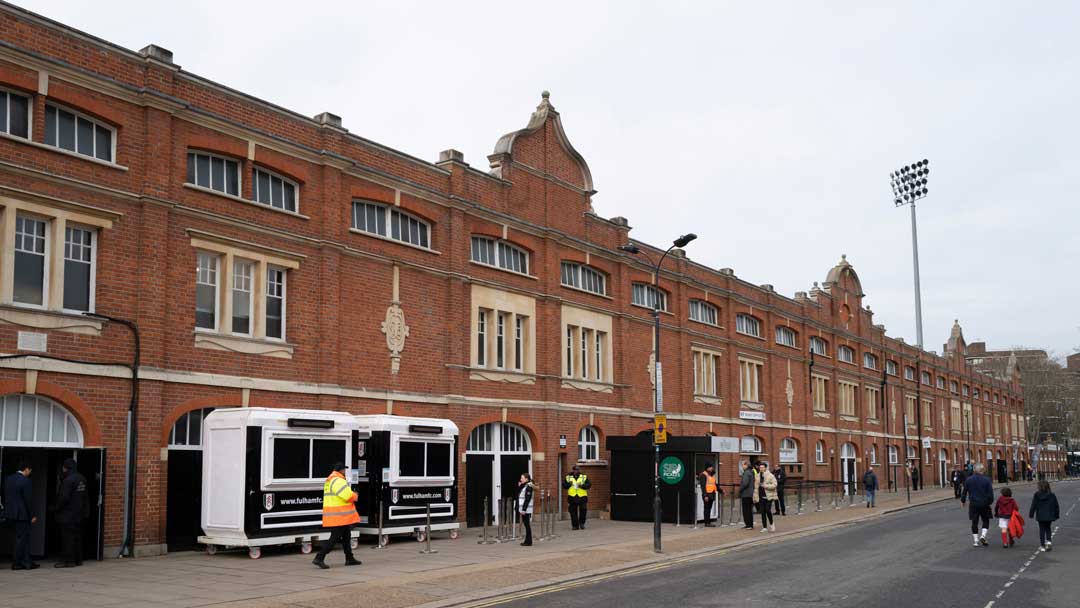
(32, 318)
(496, 375)
(240, 199)
(591, 463)
(240, 344)
(41, 146)
(818, 414)
(587, 385)
(752, 405)
(711, 400)
(849, 418)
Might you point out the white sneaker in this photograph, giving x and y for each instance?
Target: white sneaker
(772, 527)
(1043, 549)
(976, 544)
(764, 529)
(1048, 545)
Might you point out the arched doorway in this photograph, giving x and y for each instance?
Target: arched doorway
(43, 433)
(183, 505)
(496, 454)
(848, 468)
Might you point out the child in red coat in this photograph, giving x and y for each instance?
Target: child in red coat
(1003, 510)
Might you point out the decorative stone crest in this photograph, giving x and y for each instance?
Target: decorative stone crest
(789, 391)
(396, 331)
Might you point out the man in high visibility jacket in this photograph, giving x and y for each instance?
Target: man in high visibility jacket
(577, 496)
(338, 514)
(709, 489)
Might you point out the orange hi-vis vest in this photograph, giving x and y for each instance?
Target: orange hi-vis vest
(338, 508)
(710, 483)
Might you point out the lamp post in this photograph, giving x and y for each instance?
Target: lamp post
(658, 407)
(908, 186)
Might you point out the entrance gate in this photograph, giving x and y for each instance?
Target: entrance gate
(496, 454)
(183, 502)
(848, 469)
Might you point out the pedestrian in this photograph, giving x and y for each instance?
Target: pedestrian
(870, 486)
(1003, 510)
(1045, 510)
(577, 487)
(18, 509)
(709, 490)
(338, 514)
(914, 477)
(957, 482)
(746, 494)
(525, 506)
(781, 479)
(981, 491)
(72, 508)
(766, 496)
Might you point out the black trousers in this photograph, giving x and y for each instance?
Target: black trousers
(1045, 532)
(526, 518)
(73, 545)
(956, 489)
(765, 508)
(781, 508)
(976, 514)
(748, 511)
(578, 509)
(338, 534)
(707, 501)
(22, 545)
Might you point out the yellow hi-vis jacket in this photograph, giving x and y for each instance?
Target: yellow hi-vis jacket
(577, 485)
(338, 508)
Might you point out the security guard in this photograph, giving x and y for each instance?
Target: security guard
(338, 514)
(577, 496)
(709, 488)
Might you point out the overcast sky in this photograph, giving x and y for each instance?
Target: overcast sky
(770, 132)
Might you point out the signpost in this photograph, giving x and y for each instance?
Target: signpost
(659, 387)
(660, 429)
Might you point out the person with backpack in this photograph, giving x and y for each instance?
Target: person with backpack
(1045, 510)
(1003, 510)
(870, 486)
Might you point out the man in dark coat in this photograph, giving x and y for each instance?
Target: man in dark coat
(781, 479)
(914, 477)
(957, 481)
(981, 491)
(18, 508)
(746, 494)
(72, 507)
(870, 486)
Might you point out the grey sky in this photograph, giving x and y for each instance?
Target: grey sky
(769, 131)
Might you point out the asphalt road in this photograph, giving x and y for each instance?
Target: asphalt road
(919, 557)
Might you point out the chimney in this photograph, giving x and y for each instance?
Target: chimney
(451, 155)
(153, 51)
(727, 272)
(620, 221)
(329, 119)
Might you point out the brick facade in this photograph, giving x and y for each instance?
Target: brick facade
(537, 195)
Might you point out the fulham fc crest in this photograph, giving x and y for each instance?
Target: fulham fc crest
(268, 501)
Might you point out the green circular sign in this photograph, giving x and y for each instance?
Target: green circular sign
(672, 470)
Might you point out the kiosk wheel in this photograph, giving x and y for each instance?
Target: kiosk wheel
(211, 549)
(255, 552)
(305, 548)
(354, 543)
(420, 536)
(454, 534)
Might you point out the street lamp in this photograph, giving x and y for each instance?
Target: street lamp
(908, 186)
(658, 407)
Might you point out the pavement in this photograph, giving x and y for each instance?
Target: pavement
(462, 572)
(916, 557)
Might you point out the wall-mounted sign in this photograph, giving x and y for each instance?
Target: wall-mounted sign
(562, 441)
(990, 440)
(789, 455)
(725, 445)
(745, 415)
(926, 443)
(672, 470)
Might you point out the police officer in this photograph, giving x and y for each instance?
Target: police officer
(338, 514)
(707, 480)
(577, 487)
(72, 507)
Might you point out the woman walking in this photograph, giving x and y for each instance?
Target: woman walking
(1044, 509)
(766, 497)
(1003, 510)
(525, 506)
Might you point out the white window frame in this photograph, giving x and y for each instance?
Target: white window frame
(819, 346)
(819, 452)
(217, 259)
(940, 383)
(788, 443)
(588, 437)
(751, 373)
(500, 340)
(704, 312)
(501, 251)
(706, 380)
(284, 299)
(570, 331)
(846, 354)
(185, 421)
(388, 219)
(871, 394)
(785, 336)
(758, 445)
(29, 113)
(573, 275)
(94, 234)
(98, 124)
(890, 367)
(481, 337)
(869, 361)
(255, 170)
(748, 325)
(848, 399)
(642, 293)
(250, 291)
(909, 373)
(821, 393)
(954, 387)
(519, 343)
(873, 455)
(46, 271)
(894, 455)
(211, 188)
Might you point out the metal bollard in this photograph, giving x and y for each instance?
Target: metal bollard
(427, 534)
(817, 499)
(798, 500)
(731, 518)
(678, 511)
(851, 495)
(487, 517)
(379, 540)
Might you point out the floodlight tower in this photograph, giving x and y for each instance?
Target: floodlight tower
(908, 186)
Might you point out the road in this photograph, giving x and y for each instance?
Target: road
(918, 557)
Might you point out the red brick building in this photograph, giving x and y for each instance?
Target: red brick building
(272, 259)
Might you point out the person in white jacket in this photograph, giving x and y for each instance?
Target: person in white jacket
(525, 506)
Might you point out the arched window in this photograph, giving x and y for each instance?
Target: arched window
(847, 451)
(186, 433)
(789, 451)
(785, 336)
(819, 452)
(390, 222)
(589, 444)
(750, 326)
(846, 354)
(873, 454)
(911, 452)
(819, 346)
(498, 437)
(31, 420)
(752, 444)
(893, 456)
(500, 254)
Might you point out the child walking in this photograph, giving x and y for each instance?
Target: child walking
(1045, 510)
(1003, 510)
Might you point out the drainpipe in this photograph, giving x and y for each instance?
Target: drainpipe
(128, 547)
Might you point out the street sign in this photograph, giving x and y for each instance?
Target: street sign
(672, 470)
(659, 387)
(725, 445)
(660, 429)
(745, 415)
(562, 441)
(926, 443)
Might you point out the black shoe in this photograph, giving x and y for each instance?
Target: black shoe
(320, 564)
(352, 562)
(18, 567)
(526, 544)
(748, 527)
(34, 566)
(575, 528)
(64, 565)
